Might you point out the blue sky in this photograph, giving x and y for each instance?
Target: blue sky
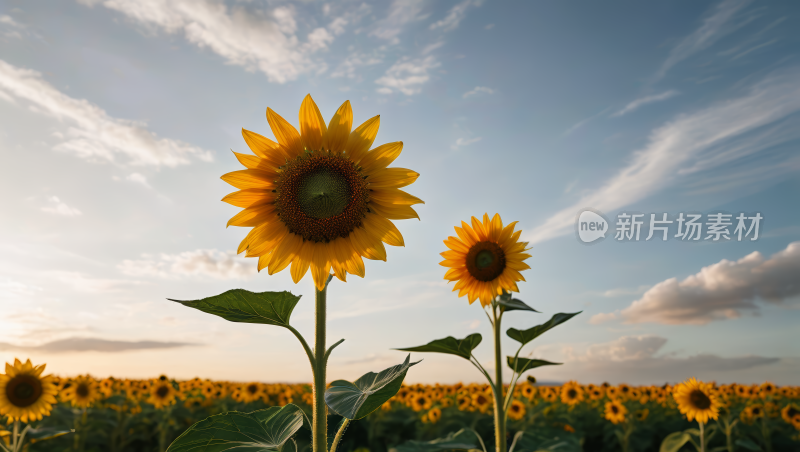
(119, 117)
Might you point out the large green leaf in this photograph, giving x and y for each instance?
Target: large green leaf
(259, 431)
(548, 441)
(464, 439)
(512, 304)
(449, 345)
(239, 305)
(674, 441)
(368, 393)
(521, 365)
(525, 336)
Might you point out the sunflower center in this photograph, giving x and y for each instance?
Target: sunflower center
(162, 392)
(572, 393)
(23, 390)
(252, 389)
(321, 196)
(486, 261)
(614, 409)
(82, 390)
(699, 399)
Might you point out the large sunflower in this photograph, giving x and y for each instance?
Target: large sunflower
(697, 400)
(485, 259)
(319, 198)
(25, 395)
(615, 411)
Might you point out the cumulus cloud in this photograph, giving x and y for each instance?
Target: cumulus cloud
(644, 101)
(723, 290)
(263, 41)
(477, 90)
(407, 75)
(401, 12)
(461, 142)
(93, 134)
(704, 137)
(85, 344)
(455, 16)
(209, 263)
(57, 207)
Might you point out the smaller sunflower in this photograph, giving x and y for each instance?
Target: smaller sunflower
(796, 421)
(596, 393)
(615, 412)
(24, 394)
(751, 413)
(517, 410)
(420, 401)
(162, 394)
(528, 391)
(697, 400)
(464, 402)
(571, 393)
(641, 415)
(767, 389)
(434, 415)
(251, 392)
(82, 393)
(481, 402)
(789, 412)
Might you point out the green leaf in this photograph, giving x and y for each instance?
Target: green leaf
(525, 336)
(368, 393)
(548, 441)
(748, 444)
(521, 365)
(259, 431)
(449, 345)
(239, 305)
(674, 441)
(512, 304)
(43, 433)
(464, 439)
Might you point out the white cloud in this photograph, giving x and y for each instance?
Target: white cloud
(720, 291)
(93, 134)
(10, 288)
(703, 136)
(461, 142)
(256, 40)
(58, 207)
(603, 317)
(454, 16)
(354, 62)
(407, 75)
(477, 90)
(139, 179)
(715, 26)
(644, 101)
(401, 12)
(89, 284)
(200, 263)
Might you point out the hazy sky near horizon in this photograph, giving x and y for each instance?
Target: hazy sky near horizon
(119, 117)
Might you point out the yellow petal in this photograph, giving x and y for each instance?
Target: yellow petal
(249, 197)
(394, 197)
(301, 262)
(320, 265)
(384, 229)
(392, 178)
(253, 216)
(249, 178)
(361, 139)
(312, 125)
(456, 245)
(256, 163)
(371, 249)
(284, 253)
(339, 129)
(285, 133)
(382, 156)
(393, 212)
(496, 227)
(264, 147)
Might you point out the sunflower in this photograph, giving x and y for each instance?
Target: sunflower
(434, 415)
(162, 394)
(485, 259)
(464, 402)
(528, 391)
(82, 393)
(751, 413)
(251, 392)
(789, 412)
(796, 421)
(596, 393)
(24, 394)
(517, 410)
(697, 400)
(481, 402)
(767, 389)
(319, 198)
(615, 411)
(571, 393)
(642, 414)
(419, 401)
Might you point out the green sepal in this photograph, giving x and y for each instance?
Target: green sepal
(239, 305)
(525, 336)
(520, 365)
(259, 431)
(450, 346)
(512, 304)
(464, 439)
(365, 395)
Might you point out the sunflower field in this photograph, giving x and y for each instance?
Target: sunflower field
(120, 415)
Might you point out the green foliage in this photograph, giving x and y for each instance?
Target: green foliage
(239, 305)
(464, 439)
(512, 304)
(520, 365)
(449, 345)
(525, 336)
(674, 441)
(548, 441)
(259, 431)
(368, 393)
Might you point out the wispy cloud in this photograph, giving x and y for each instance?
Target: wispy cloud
(10, 28)
(352, 65)
(138, 178)
(454, 17)
(716, 25)
(401, 13)
(679, 143)
(81, 282)
(93, 134)
(199, 263)
(644, 101)
(461, 142)
(57, 207)
(407, 75)
(265, 41)
(477, 90)
(85, 344)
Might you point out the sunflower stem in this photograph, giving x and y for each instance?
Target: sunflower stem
(499, 406)
(320, 417)
(339, 435)
(702, 438)
(15, 439)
